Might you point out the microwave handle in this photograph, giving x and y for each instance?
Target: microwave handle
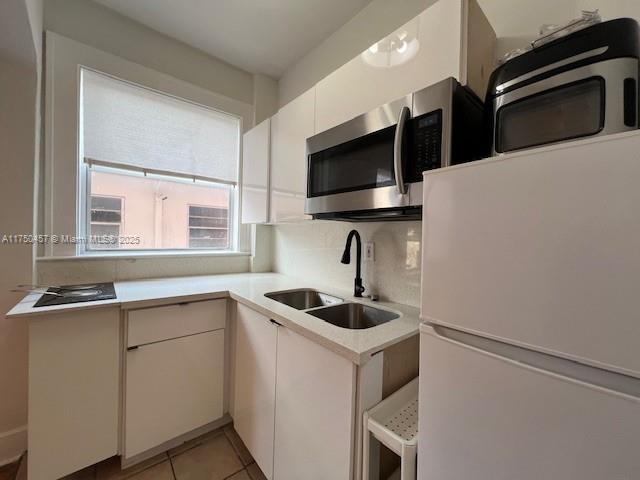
(397, 150)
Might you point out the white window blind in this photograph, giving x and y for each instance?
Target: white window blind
(133, 126)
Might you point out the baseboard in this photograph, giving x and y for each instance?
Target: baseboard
(13, 443)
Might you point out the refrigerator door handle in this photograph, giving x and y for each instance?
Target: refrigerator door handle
(550, 364)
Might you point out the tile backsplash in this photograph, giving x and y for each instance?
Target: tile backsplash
(312, 251)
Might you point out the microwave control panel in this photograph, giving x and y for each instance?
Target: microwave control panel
(427, 142)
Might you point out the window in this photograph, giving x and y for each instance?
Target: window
(173, 163)
(208, 227)
(106, 221)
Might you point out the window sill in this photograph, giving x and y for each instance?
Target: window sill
(131, 255)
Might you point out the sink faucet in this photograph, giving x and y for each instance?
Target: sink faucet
(346, 259)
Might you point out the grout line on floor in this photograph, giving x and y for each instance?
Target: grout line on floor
(235, 450)
(234, 473)
(173, 470)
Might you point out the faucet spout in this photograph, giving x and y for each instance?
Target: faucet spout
(358, 288)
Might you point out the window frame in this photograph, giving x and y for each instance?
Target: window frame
(64, 174)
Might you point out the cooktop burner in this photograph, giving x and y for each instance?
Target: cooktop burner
(76, 293)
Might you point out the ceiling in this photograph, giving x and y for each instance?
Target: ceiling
(259, 36)
(523, 18)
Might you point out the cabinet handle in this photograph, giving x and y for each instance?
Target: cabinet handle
(275, 323)
(129, 349)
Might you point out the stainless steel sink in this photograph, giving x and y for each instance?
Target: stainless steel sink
(303, 298)
(353, 315)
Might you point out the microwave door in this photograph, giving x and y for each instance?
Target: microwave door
(354, 166)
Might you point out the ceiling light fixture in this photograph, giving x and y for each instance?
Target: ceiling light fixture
(395, 49)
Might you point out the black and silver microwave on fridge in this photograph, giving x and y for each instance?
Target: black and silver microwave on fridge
(580, 85)
(370, 168)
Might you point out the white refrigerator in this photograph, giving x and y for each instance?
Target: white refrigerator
(530, 341)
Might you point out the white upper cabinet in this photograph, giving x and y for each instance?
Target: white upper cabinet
(290, 128)
(255, 173)
(274, 171)
(427, 49)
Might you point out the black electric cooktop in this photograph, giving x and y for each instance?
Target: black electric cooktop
(76, 293)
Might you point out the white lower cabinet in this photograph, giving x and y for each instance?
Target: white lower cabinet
(294, 401)
(174, 375)
(74, 386)
(315, 399)
(173, 387)
(255, 384)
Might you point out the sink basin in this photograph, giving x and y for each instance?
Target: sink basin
(354, 315)
(303, 298)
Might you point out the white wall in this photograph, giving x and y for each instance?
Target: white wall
(265, 96)
(20, 33)
(375, 21)
(95, 25)
(517, 22)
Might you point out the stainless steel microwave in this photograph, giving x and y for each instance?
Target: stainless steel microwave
(370, 168)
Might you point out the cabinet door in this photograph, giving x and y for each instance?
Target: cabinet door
(424, 51)
(74, 385)
(315, 397)
(255, 173)
(290, 128)
(255, 383)
(172, 387)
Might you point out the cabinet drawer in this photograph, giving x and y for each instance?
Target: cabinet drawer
(162, 323)
(172, 388)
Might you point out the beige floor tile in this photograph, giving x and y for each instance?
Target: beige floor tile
(110, 469)
(161, 471)
(242, 475)
(238, 445)
(195, 442)
(255, 473)
(213, 460)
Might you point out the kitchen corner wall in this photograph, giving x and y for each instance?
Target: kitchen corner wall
(312, 251)
(95, 25)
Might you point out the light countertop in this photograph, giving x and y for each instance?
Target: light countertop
(249, 289)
